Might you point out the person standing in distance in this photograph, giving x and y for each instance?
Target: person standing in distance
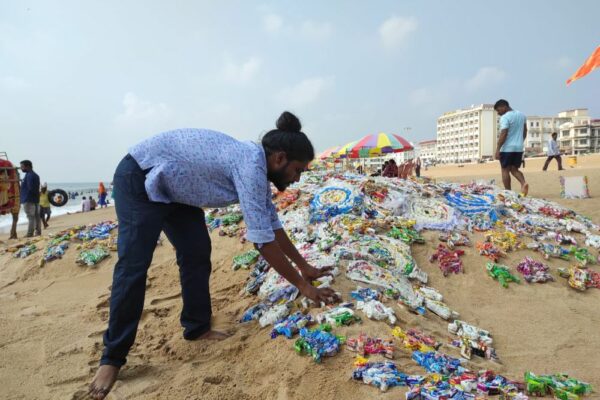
(30, 198)
(553, 152)
(163, 184)
(509, 151)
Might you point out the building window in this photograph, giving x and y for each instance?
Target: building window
(583, 142)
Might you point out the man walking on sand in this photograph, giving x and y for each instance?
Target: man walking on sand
(163, 184)
(513, 131)
(553, 152)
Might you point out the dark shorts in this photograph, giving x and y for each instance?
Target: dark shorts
(45, 211)
(513, 159)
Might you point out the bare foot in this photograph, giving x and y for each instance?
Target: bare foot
(213, 335)
(103, 381)
(525, 189)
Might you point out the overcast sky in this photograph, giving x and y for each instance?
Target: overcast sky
(81, 81)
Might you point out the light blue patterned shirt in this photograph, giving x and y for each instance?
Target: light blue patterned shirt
(204, 168)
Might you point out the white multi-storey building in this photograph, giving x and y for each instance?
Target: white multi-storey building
(467, 135)
(428, 151)
(580, 134)
(577, 132)
(539, 131)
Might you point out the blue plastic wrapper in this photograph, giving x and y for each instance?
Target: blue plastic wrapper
(329, 202)
(291, 325)
(99, 231)
(317, 343)
(438, 362)
(254, 312)
(383, 375)
(284, 295)
(54, 252)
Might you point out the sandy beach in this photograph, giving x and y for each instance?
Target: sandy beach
(52, 320)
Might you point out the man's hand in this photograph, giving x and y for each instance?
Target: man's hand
(497, 155)
(326, 295)
(311, 273)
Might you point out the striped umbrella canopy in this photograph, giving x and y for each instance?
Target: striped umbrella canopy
(329, 153)
(344, 151)
(376, 144)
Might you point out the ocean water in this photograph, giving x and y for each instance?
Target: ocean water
(73, 205)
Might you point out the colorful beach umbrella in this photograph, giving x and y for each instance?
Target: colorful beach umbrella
(344, 151)
(328, 153)
(376, 144)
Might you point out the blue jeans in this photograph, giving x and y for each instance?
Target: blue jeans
(140, 224)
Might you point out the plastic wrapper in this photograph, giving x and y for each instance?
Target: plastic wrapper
(291, 325)
(100, 230)
(455, 238)
(448, 261)
(254, 312)
(318, 343)
(414, 339)
(592, 241)
(361, 271)
(273, 314)
(338, 316)
(383, 375)
(374, 309)
(365, 294)
(560, 385)
(534, 271)
(501, 273)
(245, 260)
(55, 252)
(92, 257)
(365, 345)
(439, 363)
(431, 214)
(26, 251)
(440, 309)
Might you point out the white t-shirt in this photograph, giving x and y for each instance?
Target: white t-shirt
(85, 205)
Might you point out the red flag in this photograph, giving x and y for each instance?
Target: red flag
(590, 64)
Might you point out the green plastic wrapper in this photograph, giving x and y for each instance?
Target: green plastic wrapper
(92, 256)
(245, 260)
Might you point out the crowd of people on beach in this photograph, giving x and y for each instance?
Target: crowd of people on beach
(33, 196)
(402, 171)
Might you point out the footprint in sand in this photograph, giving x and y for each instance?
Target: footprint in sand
(217, 379)
(103, 303)
(158, 300)
(34, 311)
(99, 333)
(69, 350)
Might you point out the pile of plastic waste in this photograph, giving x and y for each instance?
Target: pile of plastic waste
(364, 228)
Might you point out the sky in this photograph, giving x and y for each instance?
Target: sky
(81, 81)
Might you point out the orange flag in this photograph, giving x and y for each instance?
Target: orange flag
(590, 64)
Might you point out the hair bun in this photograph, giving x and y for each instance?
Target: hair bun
(288, 122)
